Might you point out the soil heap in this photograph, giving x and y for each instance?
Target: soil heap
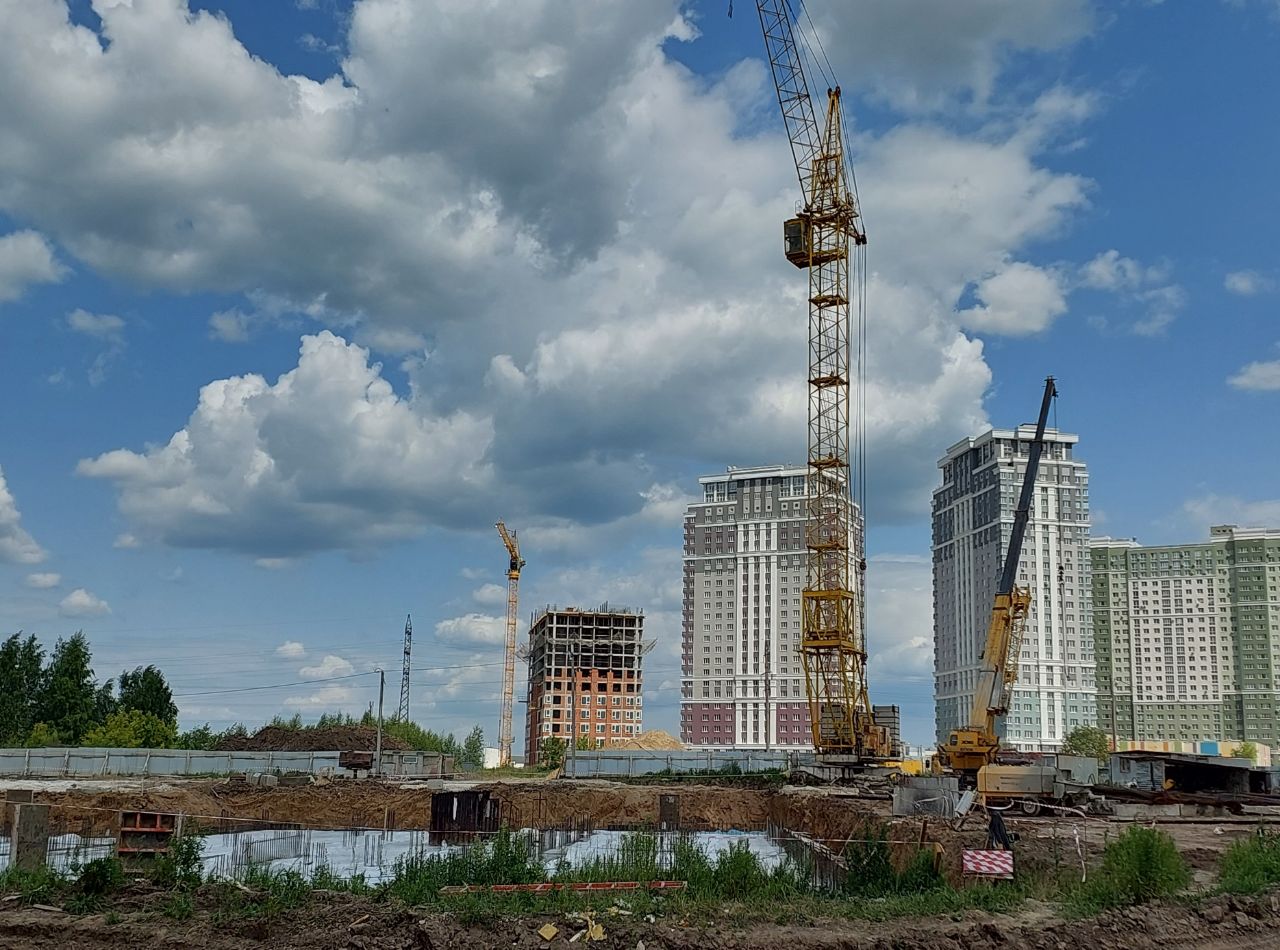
(652, 740)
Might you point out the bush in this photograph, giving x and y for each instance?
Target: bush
(870, 869)
(181, 869)
(1143, 864)
(100, 878)
(132, 729)
(1253, 865)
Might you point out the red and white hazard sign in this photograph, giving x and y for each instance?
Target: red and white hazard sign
(989, 863)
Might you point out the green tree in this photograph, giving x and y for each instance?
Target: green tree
(1087, 740)
(43, 735)
(1246, 750)
(132, 729)
(585, 744)
(551, 752)
(146, 691)
(21, 676)
(473, 750)
(69, 698)
(104, 702)
(199, 739)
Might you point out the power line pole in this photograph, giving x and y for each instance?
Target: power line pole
(402, 714)
(377, 745)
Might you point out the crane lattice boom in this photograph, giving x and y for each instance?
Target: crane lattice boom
(833, 644)
(515, 563)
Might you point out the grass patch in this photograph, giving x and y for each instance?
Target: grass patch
(261, 893)
(42, 886)
(1252, 865)
(178, 906)
(1143, 864)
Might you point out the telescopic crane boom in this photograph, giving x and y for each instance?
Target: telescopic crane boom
(514, 566)
(819, 238)
(974, 745)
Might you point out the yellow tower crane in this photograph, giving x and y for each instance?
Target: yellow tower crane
(819, 238)
(509, 658)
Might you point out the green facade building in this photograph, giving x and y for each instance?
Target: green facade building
(1187, 637)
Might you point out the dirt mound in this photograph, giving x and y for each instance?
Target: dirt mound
(650, 740)
(609, 804)
(333, 738)
(343, 920)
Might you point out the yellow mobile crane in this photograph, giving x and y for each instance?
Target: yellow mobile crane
(514, 566)
(975, 745)
(819, 238)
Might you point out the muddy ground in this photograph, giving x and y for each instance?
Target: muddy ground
(829, 815)
(355, 924)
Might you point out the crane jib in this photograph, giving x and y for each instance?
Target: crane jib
(1023, 512)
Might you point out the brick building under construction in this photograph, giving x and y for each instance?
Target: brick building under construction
(593, 656)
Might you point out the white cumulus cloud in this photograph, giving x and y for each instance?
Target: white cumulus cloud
(43, 581)
(102, 326)
(472, 628)
(331, 665)
(490, 595)
(1248, 283)
(1018, 299)
(1213, 509)
(26, 258)
(327, 456)
(16, 544)
(565, 149)
(1258, 376)
(82, 603)
(291, 650)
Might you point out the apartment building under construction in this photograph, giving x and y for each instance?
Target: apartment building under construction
(584, 676)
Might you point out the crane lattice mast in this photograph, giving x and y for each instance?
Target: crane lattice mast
(509, 657)
(819, 238)
(402, 714)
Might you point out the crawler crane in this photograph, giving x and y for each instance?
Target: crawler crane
(976, 744)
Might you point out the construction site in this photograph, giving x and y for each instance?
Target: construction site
(801, 819)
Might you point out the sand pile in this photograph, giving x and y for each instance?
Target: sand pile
(654, 740)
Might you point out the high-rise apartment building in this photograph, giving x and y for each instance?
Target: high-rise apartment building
(584, 676)
(972, 521)
(745, 565)
(1187, 637)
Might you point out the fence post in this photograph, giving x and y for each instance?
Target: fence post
(26, 764)
(30, 845)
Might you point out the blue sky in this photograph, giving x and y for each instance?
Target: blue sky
(442, 263)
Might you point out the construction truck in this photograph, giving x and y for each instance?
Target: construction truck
(1064, 780)
(973, 747)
